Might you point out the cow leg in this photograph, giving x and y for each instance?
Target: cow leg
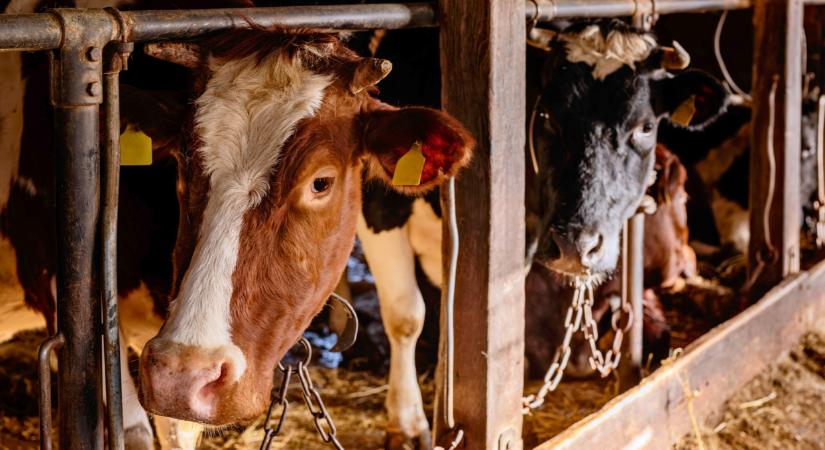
(392, 263)
(137, 432)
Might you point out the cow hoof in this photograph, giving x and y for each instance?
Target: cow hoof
(138, 437)
(400, 441)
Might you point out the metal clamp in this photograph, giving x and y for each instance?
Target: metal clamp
(645, 14)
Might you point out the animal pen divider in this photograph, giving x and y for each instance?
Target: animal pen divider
(484, 87)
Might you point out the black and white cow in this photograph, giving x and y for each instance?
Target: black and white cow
(598, 92)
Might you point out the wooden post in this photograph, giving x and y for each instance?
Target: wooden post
(774, 250)
(483, 73)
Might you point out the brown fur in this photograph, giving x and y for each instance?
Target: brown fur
(290, 256)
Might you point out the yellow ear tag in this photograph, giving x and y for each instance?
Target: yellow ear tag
(135, 148)
(409, 167)
(684, 112)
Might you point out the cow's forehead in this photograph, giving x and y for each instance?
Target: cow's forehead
(606, 51)
(243, 120)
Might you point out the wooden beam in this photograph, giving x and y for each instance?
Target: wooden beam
(777, 78)
(483, 72)
(655, 414)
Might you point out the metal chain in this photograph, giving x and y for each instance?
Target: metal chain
(315, 405)
(580, 317)
(278, 398)
(317, 409)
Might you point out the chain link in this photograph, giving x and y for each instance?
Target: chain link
(315, 405)
(579, 317)
(278, 398)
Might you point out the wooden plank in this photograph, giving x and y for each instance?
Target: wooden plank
(655, 414)
(774, 250)
(483, 64)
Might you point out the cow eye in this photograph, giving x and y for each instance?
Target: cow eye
(647, 128)
(322, 184)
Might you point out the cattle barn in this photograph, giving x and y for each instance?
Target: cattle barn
(465, 224)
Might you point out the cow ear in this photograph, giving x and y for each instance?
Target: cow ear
(158, 114)
(691, 99)
(391, 134)
(186, 54)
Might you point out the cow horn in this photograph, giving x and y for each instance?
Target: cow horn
(186, 54)
(675, 58)
(540, 38)
(368, 72)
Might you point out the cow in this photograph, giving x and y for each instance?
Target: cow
(597, 91)
(667, 258)
(718, 159)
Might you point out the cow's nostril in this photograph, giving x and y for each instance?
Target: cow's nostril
(591, 248)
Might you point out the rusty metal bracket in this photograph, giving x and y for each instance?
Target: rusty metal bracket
(645, 14)
(77, 65)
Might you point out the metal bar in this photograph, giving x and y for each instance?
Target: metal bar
(43, 31)
(29, 31)
(108, 254)
(45, 378)
(563, 9)
(632, 295)
(483, 86)
(154, 25)
(76, 72)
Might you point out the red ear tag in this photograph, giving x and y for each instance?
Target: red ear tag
(409, 167)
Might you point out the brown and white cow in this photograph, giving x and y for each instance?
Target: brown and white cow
(270, 173)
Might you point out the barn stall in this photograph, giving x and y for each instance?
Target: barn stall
(483, 396)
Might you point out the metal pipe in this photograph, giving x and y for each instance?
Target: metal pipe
(43, 31)
(45, 379)
(633, 296)
(78, 186)
(565, 9)
(108, 254)
(29, 31)
(157, 25)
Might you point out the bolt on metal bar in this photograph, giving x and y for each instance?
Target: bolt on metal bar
(44, 32)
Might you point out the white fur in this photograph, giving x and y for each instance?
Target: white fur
(425, 238)
(606, 54)
(732, 221)
(392, 262)
(245, 115)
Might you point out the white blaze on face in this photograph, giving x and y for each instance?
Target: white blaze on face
(243, 119)
(607, 54)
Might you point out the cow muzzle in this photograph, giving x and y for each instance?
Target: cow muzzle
(188, 382)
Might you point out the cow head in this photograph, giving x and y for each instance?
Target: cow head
(283, 128)
(667, 255)
(605, 88)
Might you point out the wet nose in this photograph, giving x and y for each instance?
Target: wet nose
(585, 249)
(186, 382)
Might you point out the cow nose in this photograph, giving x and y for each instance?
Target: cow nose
(186, 382)
(590, 248)
(584, 250)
